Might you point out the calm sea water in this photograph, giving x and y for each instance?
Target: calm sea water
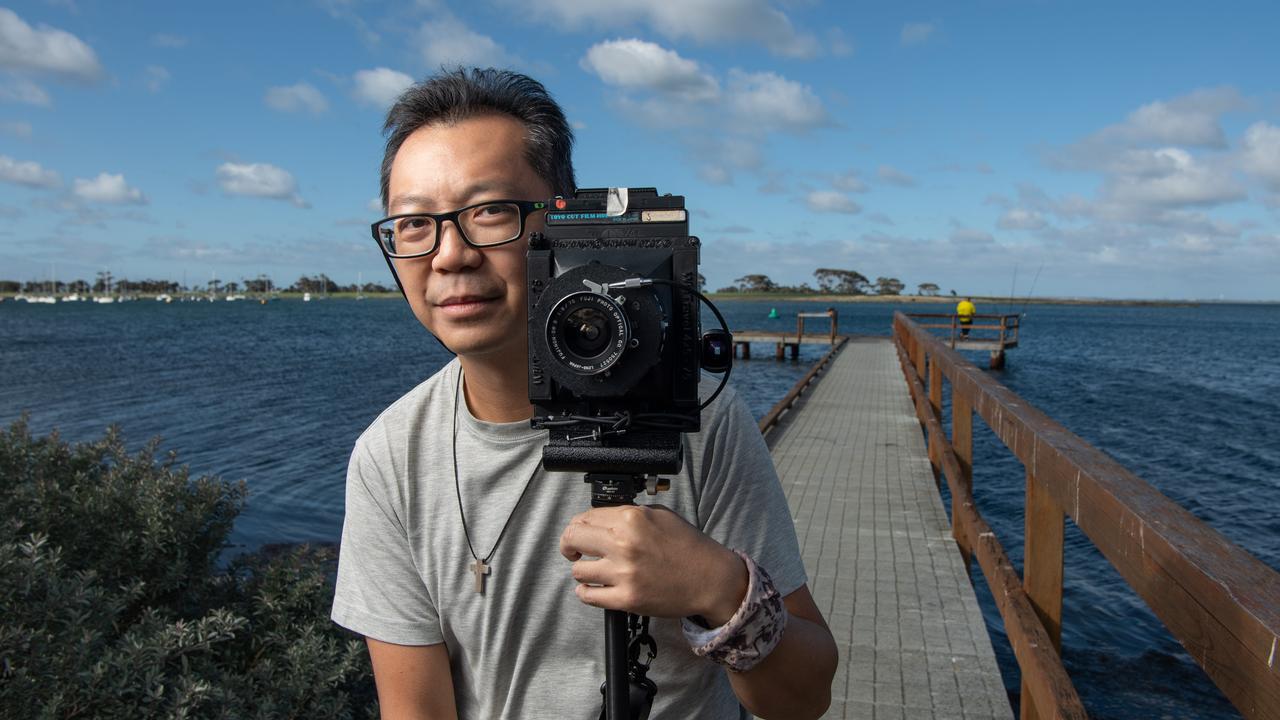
(1188, 398)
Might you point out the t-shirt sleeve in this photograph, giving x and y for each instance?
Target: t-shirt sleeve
(742, 503)
(380, 593)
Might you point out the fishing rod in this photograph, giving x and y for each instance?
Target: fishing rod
(1023, 312)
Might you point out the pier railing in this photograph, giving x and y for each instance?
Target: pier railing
(1001, 329)
(1219, 601)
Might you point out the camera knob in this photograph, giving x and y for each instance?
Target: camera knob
(654, 485)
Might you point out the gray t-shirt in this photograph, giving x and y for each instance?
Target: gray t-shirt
(527, 647)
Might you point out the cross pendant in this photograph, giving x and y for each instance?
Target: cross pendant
(480, 569)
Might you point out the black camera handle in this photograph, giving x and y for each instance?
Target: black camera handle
(628, 692)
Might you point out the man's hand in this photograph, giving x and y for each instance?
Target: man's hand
(652, 562)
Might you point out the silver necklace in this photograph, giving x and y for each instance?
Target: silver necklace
(480, 568)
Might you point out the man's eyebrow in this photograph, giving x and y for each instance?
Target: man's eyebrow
(496, 189)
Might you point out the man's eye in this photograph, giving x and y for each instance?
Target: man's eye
(495, 215)
(414, 225)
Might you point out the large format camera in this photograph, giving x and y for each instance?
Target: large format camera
(615, 340)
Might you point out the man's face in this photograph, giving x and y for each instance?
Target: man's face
(473, 300)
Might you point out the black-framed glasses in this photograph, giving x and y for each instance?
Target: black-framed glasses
(483, 225)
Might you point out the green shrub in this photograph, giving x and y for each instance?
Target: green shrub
(113, 603)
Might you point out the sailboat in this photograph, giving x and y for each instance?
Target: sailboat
(359, 286)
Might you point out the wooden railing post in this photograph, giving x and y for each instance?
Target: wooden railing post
(962, 443)
(935, 401)
(1042, 571)
(919, 357)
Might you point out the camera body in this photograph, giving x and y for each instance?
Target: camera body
(614, 365)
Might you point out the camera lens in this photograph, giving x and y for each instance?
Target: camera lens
(586, 332)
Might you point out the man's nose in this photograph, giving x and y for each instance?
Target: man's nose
(454, 253)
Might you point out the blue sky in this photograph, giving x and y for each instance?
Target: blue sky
(1102, 149)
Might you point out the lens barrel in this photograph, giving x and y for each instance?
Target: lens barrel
(587, 332)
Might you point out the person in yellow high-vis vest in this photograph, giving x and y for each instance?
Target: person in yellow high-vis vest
(966, 310)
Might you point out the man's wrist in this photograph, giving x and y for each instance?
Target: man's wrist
(751, 633)
(726, 589)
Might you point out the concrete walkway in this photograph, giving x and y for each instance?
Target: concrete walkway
(876, 543)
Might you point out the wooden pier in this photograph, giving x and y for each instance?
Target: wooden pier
(892, 576)
(784, 341)
(874, 535)
(992, 333)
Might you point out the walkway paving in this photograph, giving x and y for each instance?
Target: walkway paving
(882, 565)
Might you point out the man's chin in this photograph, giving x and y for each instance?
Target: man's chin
(482, 345)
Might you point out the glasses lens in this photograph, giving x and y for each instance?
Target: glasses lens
(492, 223)
(407, 235)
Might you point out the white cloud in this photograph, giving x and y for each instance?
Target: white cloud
(156, 78)
(45, 49)
(636, 64)
(259, 180)
(168, 40)
(1021, 219)
(1168, 177)
(30, 174)
(1190, 119)
(831, 201)
(108, 188)
(1260, 153)
(380, 87)
(450, 42)
(296, 98)
(917, 33)
(703, 21)
(894, 176)
(769, 101)
(24, 91)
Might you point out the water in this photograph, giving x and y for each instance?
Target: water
(1187, 398)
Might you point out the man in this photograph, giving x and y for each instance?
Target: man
(474, 575)
(966, 310)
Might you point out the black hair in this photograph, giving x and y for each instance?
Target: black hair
(453, 95)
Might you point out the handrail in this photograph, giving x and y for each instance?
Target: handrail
(1219, 601)
(1033, 646)
(831, 314)
(1006, 327)
(771, 418)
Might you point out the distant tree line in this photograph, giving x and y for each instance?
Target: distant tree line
(830, 281)
(105, 283)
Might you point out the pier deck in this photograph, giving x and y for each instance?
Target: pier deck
(882, 564)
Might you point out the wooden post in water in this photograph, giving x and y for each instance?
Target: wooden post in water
(1042, 571)
(962, 443)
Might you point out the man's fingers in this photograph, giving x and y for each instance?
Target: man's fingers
(584, 538)
(608, 598)
(596, 572)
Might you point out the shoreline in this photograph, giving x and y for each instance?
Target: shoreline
(799, 297)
